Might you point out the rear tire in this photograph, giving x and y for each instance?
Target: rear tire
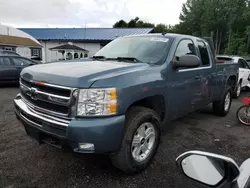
(237, 91)
(222, 107)
(129, 158)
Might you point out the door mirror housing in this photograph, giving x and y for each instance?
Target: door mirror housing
(187, 61)
(209, 169)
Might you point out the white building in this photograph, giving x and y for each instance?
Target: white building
(67, 43)
(18, 41)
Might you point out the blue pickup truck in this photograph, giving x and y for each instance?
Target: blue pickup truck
(119, 103)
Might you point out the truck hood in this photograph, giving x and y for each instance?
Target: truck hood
(78, 74)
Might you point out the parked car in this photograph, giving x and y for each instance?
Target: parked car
(119, 102)
(7, 52)
(244, 71)
(11, 67)
(248, 60)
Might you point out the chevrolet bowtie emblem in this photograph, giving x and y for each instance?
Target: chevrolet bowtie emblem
(32, 93)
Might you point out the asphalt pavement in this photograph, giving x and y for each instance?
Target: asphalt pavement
(24, 163)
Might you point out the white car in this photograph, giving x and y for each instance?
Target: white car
(244, 71)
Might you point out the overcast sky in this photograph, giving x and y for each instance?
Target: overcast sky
(92, 13)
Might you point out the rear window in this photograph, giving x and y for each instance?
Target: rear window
(224, 60)
(204, 53)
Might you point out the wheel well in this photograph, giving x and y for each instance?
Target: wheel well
(156, 103)
(232, 82)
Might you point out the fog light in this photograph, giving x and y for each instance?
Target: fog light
(86, 146)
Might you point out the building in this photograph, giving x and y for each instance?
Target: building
(73, 43)
(18, 41)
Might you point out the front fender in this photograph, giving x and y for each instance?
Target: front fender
(134, 86)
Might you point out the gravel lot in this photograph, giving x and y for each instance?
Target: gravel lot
(24, 163)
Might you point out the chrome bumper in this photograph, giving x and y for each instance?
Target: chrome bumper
(22, 108)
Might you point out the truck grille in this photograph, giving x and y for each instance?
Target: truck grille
(47, 98)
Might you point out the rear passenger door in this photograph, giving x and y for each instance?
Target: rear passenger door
(7, 70)
(206, 74)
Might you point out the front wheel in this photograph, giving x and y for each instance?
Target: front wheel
(222, 107)
(243, 114)
(140, 142)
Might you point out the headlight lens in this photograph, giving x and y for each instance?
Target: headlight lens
(94, 102)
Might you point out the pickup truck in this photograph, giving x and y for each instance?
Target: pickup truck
(119, 103)
(244, 71)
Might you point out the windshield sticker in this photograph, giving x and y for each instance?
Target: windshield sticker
(158, 39)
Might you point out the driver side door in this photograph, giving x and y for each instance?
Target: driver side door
(183, 83)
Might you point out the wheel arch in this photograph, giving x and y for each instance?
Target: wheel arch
(154, 102)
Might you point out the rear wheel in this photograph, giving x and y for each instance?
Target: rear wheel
(140, 142)
(222, 107)
(243, 114)
(237, 91)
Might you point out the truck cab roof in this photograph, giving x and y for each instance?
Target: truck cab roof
(168, 35)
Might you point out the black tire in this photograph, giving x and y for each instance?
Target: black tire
(219, 106)
(236, 95)
(238, 115)
(135, 117)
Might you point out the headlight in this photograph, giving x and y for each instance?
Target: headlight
(94, 102)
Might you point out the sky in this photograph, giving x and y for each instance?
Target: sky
(86, 13)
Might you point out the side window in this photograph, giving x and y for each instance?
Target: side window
(185, 47)
(20, 61)
(242, 64)
(5, 61)
(26, 62)
(203, 48)
(245, 64)
(17, 61)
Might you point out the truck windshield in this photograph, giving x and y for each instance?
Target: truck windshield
(139, 49)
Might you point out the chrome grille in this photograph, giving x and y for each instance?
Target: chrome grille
(47, 98)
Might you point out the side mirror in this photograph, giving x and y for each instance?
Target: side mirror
(187, 61)
(207, 168)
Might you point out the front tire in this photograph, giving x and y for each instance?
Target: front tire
(140, 141)
(222, 107)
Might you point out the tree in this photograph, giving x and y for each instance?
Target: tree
(120, 23)
(227, 21)
(136, 22)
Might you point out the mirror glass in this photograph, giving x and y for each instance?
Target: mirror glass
(208, 170)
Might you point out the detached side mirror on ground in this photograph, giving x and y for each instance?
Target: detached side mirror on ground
(214, 170)
(187, 61)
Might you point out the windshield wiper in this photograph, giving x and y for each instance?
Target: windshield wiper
(99, 58)
(129, 59)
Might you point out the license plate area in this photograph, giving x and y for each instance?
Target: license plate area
(56, 142)
(42, 137)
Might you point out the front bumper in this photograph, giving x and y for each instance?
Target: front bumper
(105, 133)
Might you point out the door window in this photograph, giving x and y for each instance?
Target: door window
(185, 47)
(26, 62)
(242, 64)
(20, 62)
(203, 48)
(245, 64)
(5, 61)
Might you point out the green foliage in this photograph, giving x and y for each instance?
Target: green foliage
(227, 21)
(136, 22)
